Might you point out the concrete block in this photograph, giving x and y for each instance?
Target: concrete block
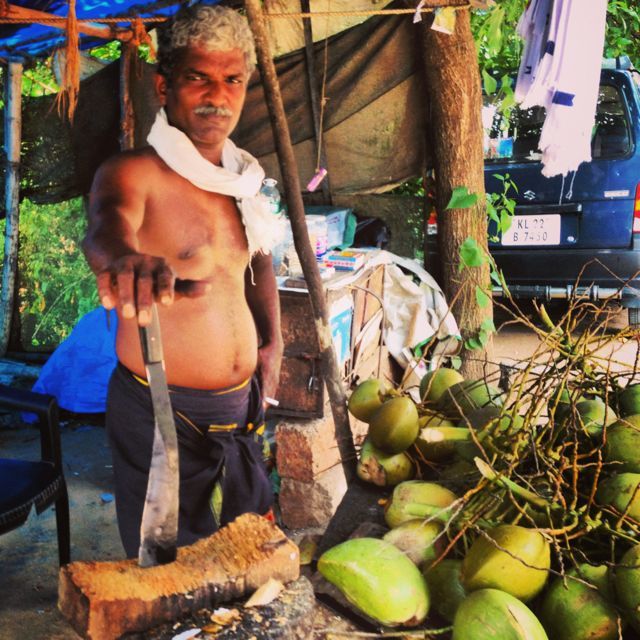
(312, 504)
(306, 447)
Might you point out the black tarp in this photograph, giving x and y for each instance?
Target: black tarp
(374, 117)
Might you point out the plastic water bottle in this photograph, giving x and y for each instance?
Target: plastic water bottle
(269, 189)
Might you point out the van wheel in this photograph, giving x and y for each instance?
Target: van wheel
(634, 318)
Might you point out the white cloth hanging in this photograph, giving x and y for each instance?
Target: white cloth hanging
(239, 176)
(565, 141)
(546, 27)
(566, 82)
(533, 28)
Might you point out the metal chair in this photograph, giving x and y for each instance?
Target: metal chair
(41, 483)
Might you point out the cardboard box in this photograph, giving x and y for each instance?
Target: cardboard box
(346, 260)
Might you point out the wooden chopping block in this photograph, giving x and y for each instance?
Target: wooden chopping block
(104, 600)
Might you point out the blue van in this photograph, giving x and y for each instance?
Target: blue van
(579, 235)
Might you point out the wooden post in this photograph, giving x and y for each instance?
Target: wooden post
(97, 30)
(127, 120)
(316, 107)
(12, 138)
(291, 180)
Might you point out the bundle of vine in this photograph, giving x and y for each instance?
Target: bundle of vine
(518, 507)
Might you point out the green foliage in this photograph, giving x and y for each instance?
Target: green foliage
(482, 297)
(500, 207)
(56, 286)
(462, 198)
(499, 46)
(623, 30)
(484, 334)
(471, 255)
(38, 79)
(109, 51)
(113, 50)
(412, 187)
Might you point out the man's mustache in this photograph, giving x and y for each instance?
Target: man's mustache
(211, 110)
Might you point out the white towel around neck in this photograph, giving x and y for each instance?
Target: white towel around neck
(240, 176)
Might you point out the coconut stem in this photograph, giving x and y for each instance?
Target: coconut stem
(430, 511)
(445, 434)
(534, 499)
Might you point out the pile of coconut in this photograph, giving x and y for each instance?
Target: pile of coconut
(513, 513)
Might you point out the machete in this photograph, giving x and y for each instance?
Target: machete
(159, 528)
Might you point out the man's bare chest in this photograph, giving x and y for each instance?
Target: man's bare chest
(186, 221)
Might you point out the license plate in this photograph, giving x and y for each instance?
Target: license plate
(533, 230)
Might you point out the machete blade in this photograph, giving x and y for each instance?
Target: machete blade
(159, 528)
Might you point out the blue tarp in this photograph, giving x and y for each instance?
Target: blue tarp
(32, 40)
(78, 371)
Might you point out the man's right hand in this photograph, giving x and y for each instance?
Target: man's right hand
(134, 281)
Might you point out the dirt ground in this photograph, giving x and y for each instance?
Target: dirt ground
(28, 555)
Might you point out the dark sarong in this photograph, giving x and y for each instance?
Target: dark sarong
(220, 446)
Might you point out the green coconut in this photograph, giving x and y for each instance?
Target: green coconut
(378, 579)
(429, 450)
(572, 609)
(514, 559)
(435, 383)
(593, 415)
(445, 587)
(623, 444)
(618, 491)
(488, 422)
(629, 400)
(418, 540)
(627, 586)
(394, 426)
(418, 499)
(490, 614)
(463, 397)
(366, 398)
(383, 469)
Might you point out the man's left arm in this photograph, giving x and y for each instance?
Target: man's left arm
(264, 302)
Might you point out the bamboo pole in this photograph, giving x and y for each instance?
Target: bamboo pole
(295, 206)
(12, 138)
(127, 118)
(316, 107)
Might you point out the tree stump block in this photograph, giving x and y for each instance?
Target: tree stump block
(289, 617)
(104, 600)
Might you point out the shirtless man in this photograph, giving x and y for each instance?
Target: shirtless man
(161, 229)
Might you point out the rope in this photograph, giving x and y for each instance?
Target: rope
(365, 12)
(67, 99)
(315, 14)
(323, 95)
(56, 19)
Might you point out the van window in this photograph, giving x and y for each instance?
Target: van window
(514, 136)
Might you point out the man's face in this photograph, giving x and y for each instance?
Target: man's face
(204, 96)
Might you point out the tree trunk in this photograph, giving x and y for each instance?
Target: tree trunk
(454, 89)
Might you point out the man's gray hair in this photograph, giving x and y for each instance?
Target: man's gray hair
(214, 28)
